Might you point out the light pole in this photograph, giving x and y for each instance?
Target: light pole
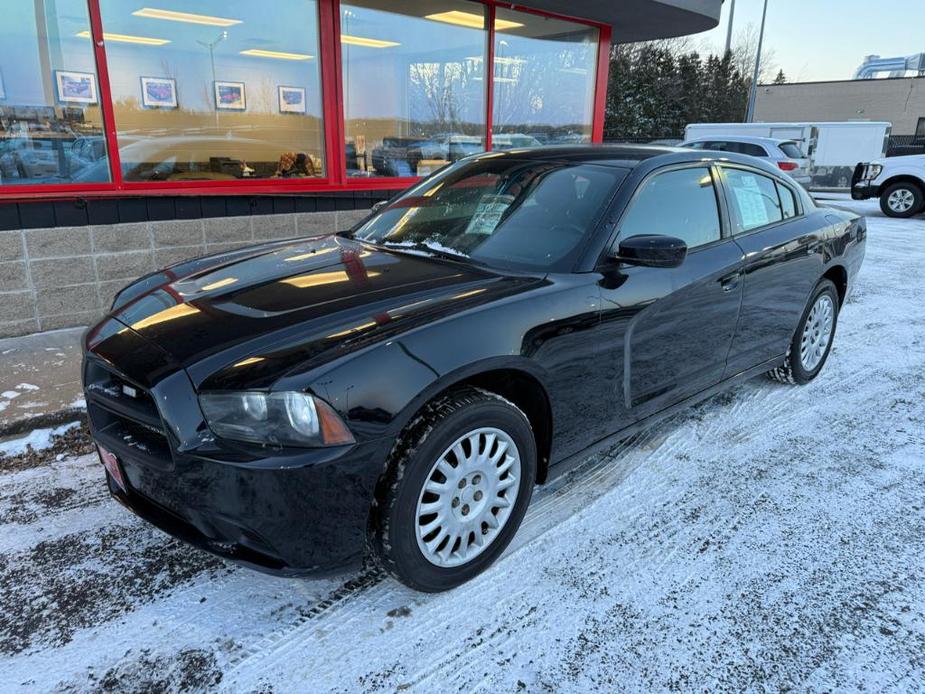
(732, 13)
(211, 46)
(750, 113)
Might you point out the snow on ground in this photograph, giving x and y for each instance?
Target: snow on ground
(770, 538)
(37, 439)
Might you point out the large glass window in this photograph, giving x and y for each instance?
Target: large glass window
(545, 74)
(219, 91)
(413, 84)
(51, 126)
(679, 203)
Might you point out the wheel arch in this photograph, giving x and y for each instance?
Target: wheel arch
(838, 275)
(902, 178)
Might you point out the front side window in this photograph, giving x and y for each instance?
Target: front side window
(223, 90)
(51, 124)
(521, 214)
(413, 84)
(754, 200)
(680, 203)
(544, 79)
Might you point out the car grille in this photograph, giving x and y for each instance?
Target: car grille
(124, 416)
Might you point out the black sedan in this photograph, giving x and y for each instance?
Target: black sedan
(397, 390)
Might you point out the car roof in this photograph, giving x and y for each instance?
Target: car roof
(625, 156)
(622, 156)
(753, 139)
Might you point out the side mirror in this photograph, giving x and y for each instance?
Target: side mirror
(378, 206)
(650, 250)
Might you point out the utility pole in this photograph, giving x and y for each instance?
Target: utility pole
(732, 13)
(750, 113)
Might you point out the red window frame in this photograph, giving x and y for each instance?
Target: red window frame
(336, 178)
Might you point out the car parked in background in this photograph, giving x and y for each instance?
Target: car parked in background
(401, 387)
(784, 154)
(899, 183)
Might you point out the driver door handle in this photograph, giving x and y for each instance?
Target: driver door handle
(730, 282)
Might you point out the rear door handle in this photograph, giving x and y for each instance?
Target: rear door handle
(730, 282)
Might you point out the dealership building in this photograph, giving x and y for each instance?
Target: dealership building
(134, 134)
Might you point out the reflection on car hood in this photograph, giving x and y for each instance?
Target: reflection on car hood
(246, 317)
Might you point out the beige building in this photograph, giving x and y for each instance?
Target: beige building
(900, 101)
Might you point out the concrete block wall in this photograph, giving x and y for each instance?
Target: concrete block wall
(67, 276)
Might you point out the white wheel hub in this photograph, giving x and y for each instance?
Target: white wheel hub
(901, 200)
(467, 497)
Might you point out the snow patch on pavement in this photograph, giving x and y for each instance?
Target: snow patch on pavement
(37, 439)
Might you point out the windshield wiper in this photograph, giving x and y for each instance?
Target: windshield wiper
(424, 247)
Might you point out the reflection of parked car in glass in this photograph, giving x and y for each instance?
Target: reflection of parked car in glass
(197, 158)
(513, 141)
(29, 157)
(85, 151)
(391, 157)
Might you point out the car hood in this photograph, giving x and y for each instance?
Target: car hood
(244, 319)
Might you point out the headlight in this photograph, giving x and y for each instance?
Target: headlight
(873, 170)
(282, 419)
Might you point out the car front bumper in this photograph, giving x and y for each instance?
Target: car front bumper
(864, 190)
(308, 518)
(282, 510)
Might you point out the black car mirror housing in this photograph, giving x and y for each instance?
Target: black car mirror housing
(651, 250)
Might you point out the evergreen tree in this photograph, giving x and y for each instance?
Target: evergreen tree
(781, 78)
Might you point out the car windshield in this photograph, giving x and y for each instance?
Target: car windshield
(530, 215)
(791, 149)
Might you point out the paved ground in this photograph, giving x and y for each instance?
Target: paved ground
(39, 378)
(771, 538)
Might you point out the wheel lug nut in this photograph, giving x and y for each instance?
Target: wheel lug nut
(462, 483)
(478, 496)
(455, 502)
(476, 479)
(465, 510)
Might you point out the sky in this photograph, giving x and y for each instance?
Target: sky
(826, 39)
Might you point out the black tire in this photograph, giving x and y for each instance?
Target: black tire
(441, 422)
(792, 371)
(912, 189)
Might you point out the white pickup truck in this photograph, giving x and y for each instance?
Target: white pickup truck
(899, 182)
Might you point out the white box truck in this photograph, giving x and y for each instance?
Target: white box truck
(834, 148)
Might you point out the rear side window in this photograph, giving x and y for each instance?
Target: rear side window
(753, 199)
(680, 203)
(788, 204)
(791, 150)
(751, 149)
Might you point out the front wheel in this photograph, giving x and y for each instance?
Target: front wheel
(456, 491)
(902, 200)
(812, 340)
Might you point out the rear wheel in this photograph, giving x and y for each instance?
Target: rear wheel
(902, 199)
(457, 489)
(812, 340)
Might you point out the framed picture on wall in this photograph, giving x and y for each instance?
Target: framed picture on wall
(291, 100)
(159, 92)
(75, 87)
(229, 96)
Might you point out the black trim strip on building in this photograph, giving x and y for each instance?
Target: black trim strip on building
(83, 212)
